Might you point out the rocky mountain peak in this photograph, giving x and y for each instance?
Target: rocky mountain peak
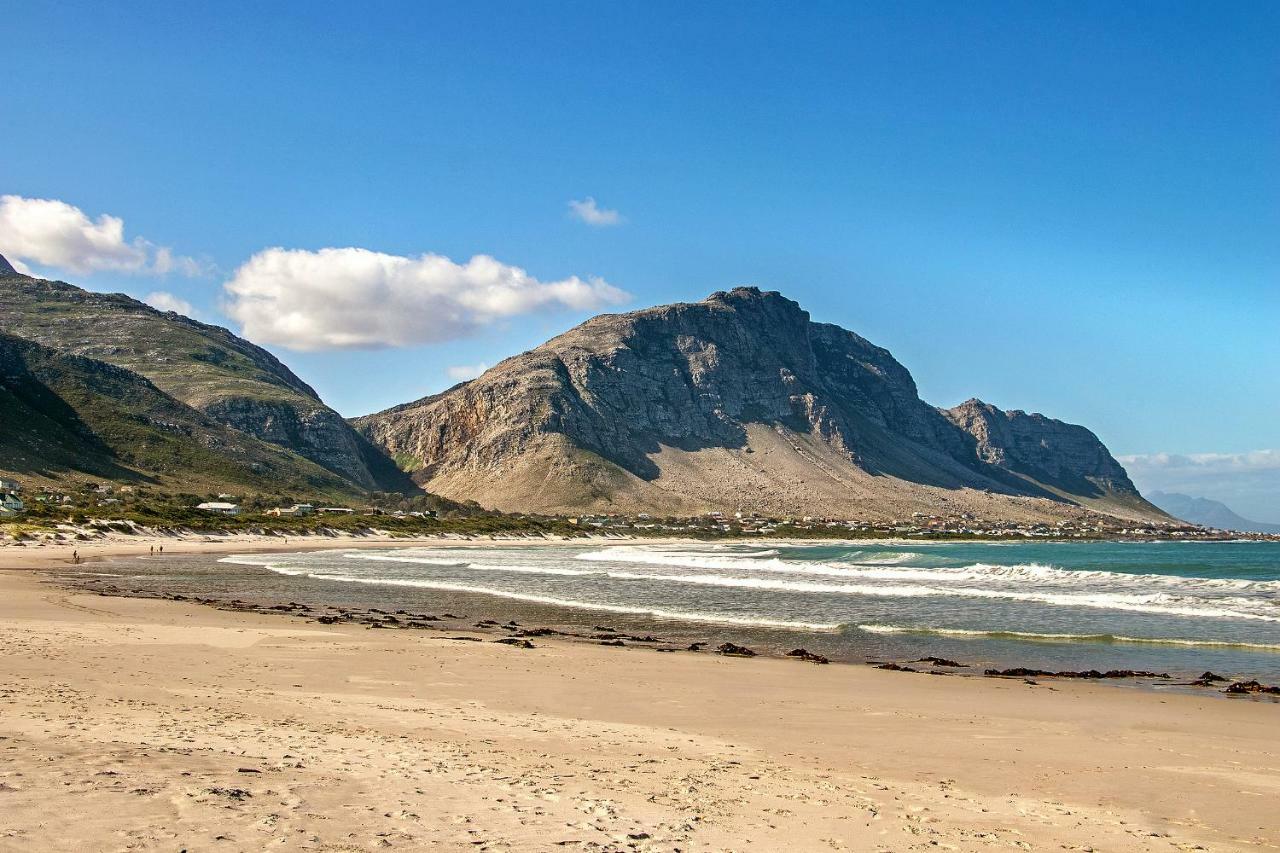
(739, 400)
(6, 268)
(1065, 458)
(753, 302)
(973, 404)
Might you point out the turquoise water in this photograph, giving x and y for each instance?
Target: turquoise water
(1181, 607)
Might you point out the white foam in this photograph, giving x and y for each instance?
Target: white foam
(1031, 583)
(878, 567)
(659, 613)
(1062, 637)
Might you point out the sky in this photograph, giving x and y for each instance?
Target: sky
(1068, 208)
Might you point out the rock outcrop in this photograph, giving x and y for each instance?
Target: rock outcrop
(1064, 459)
(736, 402)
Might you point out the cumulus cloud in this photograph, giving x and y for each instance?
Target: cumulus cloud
(463, 372)
(55, 234)
(353, 298)
(168, 302)
(1247, 482)
(591, 213)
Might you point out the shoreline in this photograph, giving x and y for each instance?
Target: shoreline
(161, 723)
(29, 553)
(14, 557)
(522, 635)
(554, 628)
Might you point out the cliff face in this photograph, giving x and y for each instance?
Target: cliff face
(1064, 458)
(739, 401)
(207, 367)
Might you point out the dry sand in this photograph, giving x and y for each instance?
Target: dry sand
(136, 724)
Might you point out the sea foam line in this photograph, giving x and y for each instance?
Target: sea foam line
(881, 568)
(1157, 603)
(966, 633)
(659, 613)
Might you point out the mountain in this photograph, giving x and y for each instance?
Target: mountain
(207, 367)
(69, 415)
(1206, 512)
(738, 402)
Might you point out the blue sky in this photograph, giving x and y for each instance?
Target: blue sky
(1066, 208)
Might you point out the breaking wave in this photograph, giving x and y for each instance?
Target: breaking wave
(883, 567)
(1158, 602)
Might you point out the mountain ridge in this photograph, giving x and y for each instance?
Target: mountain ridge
(68, 415)
(737, 401)
(233, 381)
(1207, 512)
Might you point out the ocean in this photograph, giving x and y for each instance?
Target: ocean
(1164, 606)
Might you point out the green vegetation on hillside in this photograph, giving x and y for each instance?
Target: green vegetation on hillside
(233, 381)
(66, 418)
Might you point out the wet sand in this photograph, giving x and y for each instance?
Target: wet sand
(146, 724)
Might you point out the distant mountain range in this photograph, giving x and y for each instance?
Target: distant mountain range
(1207, 512)
(739, 402)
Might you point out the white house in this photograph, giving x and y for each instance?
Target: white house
(292, 511)
(220, 507)
(11, 504)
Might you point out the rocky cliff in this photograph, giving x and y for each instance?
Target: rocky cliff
(207, 367)
(736, 402)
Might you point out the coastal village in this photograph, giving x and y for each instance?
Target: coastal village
(1089, 526)
(105, 505)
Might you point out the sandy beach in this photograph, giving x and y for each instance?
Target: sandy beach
(133, 724)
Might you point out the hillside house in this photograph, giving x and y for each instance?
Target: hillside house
(295, 511)
(219, 507)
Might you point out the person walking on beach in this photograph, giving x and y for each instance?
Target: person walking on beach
(153, 550)
(75, 556)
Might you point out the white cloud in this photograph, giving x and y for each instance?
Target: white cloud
(354, 298)
(55, 234)
(463, 372)
(168, 302)
(1204, 464)
(589, 212)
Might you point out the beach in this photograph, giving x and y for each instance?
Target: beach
(133, 723)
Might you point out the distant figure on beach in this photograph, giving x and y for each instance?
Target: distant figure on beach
(75, 556)
(153, 550)
(161, 549)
